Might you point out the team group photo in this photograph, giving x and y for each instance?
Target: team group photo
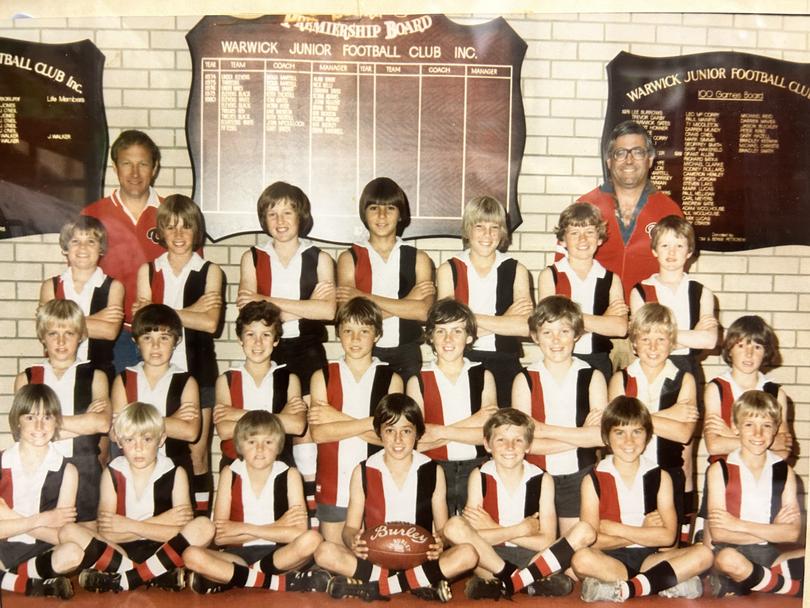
(502, 406)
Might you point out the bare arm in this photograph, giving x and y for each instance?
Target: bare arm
(184, 424)
(293, 415)
(20, 381)
(205, 313)
(44, 525)
(783, 442)
(615, 386)
(106, 323)
(354, 515)
(320, 305)
(413, 306)
(587, 436)
(720, 438)
(143, 292)
(522, 400)
(515, 321)
(727, 528)
(678, 422)
(438, 501)
(613, 322)
(636, 301)
(325, 422)
(98, 416)
(248, 284)
(658, 528)
(119, 528)
(492, 532)
(118, 396)
(545, 284)
(46, 293)
(704, 334)
(284, 530)
(444, 281)
(225, 416)
(467, 430)
(589, 513)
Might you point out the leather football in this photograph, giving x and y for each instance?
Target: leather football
(397, 545)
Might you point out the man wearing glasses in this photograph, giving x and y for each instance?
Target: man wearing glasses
(630, 204)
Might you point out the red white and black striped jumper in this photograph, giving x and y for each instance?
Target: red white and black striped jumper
(96, 350)
(337, 459)
(273, 398)
(75, 392)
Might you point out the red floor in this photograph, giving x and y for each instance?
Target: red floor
(154, 598)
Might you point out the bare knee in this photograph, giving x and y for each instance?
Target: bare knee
(581, 535)
(193, 557)
(67, 557)
(583, 562)
(309, 541)
(461, 558)
(456, 529)
(731, 562)
(703, 557)
(328, 555)
(75, 533)
(199, 531)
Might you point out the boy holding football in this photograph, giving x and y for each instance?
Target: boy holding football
(396, 484)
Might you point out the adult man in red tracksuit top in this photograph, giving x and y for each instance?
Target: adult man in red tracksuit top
(630, 204)
(129, 215)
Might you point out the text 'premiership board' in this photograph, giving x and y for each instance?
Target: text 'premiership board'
(731, 132)
(329, 104)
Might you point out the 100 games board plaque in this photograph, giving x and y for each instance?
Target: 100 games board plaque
(731, 132)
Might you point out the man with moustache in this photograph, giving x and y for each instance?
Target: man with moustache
(630, 204)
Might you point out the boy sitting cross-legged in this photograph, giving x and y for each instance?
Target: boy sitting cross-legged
(510, 518)
(144, 516)
(37, 497)
(628, 500)
(394, 485)
(753, 507)
(260, 518)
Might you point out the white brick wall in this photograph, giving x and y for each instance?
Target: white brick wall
(146, 83)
